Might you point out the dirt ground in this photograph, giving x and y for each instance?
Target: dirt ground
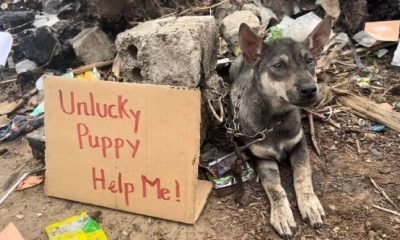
(341, 179)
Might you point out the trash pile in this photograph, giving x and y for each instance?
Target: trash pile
(173, 43)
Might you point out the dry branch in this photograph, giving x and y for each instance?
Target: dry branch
(91, 66)
(369, 109)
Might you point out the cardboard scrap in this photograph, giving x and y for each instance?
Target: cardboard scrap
(30, 182)
(11, 233)
(384, 30)
(128, 146)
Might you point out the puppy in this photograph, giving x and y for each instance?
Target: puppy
(270, 82)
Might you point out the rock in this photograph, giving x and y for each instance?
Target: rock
(25, 66)
(172, 51)
(375, 152)
(385, 170)
(41, 46)
(3, 151)
(230, 27)
(36, 140)
(20, 216)
(332, 207)
(93, 45)
(11, 19)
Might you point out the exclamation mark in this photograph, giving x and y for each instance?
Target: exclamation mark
(177, 190)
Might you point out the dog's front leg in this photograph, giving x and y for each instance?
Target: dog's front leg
(310, 207)
(281, 214)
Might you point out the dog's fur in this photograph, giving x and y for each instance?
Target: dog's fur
(276, 79)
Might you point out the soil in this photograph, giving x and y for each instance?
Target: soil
(341, 178)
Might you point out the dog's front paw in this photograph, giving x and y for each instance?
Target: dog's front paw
(311, 210)
(282, 218)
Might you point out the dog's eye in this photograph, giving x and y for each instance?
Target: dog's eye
(278, 66)
(309, 60)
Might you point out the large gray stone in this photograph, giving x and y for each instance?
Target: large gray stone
(172, 51)
(93, 45)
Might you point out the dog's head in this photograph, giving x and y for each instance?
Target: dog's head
(285, 68)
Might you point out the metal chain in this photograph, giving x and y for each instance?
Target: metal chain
(235, 131)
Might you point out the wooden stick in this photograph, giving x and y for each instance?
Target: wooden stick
(381, 191)
(8, 81)
(358, 147)
(195, 9)
(369, 108)
(387, 210)
(373, 48)
(91, 66)
(322, 117)
(312, 133)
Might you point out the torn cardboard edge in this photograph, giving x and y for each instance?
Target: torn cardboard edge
(168, 131)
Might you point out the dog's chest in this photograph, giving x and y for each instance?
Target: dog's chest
(275, 146)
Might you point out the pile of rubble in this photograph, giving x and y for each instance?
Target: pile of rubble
(104, 40)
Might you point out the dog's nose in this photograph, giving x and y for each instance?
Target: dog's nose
(308, 90)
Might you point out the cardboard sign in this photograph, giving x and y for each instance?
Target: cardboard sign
(127, 146)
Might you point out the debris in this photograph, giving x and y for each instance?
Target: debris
(45, 20)
(229, 180)
(376, 153)
(396, 57)
(38, 110)
(41, 46)
(377, 128)
(230, 27)
(396, 106)
(10, 233)
(12, 20)
(312, 133)
(20, 125)
(19, 180)
(387, 210)
(89, 67)
(383, 31)
(265, 15)
(363, 82)
(381, 191)
(300, 28)
(29, 182)
(37, 143)
(25, 66)
(365, 39)
(3, 151)
(385, 170)
(155, 51)
(81, 226)
(9, 107)
(370, 109)
(90, 75)
(331, 7)
(381, 52)
(6, 41)
(92, 45)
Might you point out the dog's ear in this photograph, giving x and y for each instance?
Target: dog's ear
(319, 36)
(250, 44)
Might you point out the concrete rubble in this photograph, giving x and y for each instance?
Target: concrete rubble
(155, 51)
